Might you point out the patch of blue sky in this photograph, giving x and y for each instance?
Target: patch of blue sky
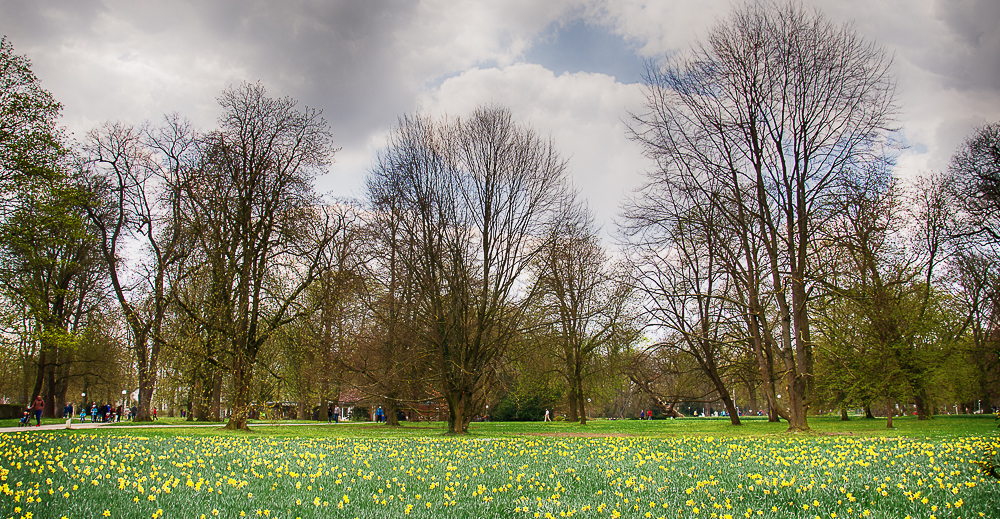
(581, 47)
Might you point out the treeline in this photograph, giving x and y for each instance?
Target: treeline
(770, 263)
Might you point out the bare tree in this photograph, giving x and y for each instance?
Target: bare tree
(390, 364)
(475, 196)
(250, 206)
(584, 304)
(131, 175)
(974, 175)
(679, 263)
(777, 105)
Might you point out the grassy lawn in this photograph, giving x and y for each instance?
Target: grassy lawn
(698, 468)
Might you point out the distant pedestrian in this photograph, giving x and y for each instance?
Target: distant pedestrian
(154, 414)
(547, 417)
(36, 408)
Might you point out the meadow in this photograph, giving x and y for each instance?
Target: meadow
(690, 468)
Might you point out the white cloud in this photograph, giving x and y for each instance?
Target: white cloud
(585, 114)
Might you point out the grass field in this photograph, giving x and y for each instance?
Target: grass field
(698, 468)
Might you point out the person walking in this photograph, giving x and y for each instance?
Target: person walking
(36, 408)
(547, 417)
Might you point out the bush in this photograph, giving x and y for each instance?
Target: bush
(525, 407)
(361, 414)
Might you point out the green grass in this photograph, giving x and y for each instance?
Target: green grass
(630, 468)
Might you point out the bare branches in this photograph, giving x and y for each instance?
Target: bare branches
(762, 123)
(465, 204)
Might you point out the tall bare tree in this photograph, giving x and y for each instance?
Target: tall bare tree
(583, 302)
(679, 265)
(475, 196)
(251, 208)
(778, 103)
(131, 174)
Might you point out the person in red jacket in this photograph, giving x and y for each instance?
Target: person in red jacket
(36, 407)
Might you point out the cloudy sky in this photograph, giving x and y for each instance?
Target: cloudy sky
(569, 68)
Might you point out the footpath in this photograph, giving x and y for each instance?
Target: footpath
(92, 425)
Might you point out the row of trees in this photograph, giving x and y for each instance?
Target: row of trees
(773, 234)
(771, 262)
(203, 257)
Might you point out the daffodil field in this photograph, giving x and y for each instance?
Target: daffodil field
(106, 475)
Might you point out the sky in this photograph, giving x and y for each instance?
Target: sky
(570, 69)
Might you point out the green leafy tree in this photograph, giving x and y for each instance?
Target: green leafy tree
(29, 137)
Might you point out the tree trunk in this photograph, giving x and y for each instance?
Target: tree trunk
(924, 408)
(796, 403)
(762, 350)
(300, 408)
(752, 397)
(42, 364)
(147, 379)
(583, 401)
(888, 413)
(391, 417)
(720, 388)
(843, 412)
(868, 412)
(242, 376)
(458, 419)
(201, 392)
(324, 397)
(50, 390)
(145, 413)
(214, 410)
(572, 397)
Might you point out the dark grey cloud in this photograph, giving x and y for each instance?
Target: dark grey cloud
(974, 62)
(33, 24)
(337, 56)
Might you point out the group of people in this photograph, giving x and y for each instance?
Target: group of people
(105, 413)
(332, 414)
